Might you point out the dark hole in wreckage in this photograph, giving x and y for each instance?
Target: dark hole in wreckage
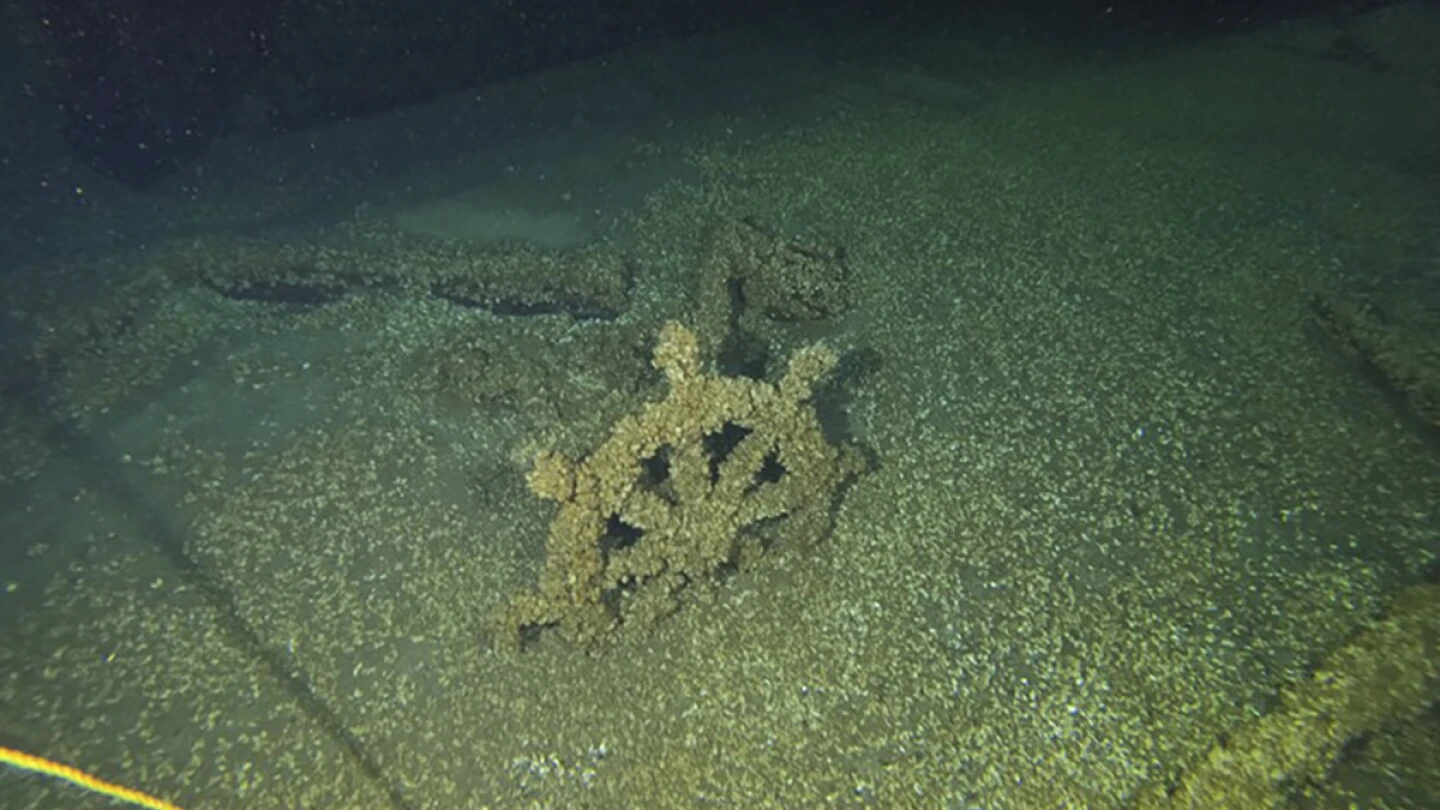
(771, 471)
(655, 474)
(721, 444)
(618, 536)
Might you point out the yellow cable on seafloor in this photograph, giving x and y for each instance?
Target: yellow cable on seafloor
(30, 762)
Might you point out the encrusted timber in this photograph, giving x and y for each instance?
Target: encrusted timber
(699, 518)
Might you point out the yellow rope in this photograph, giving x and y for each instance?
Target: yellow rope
(30, 762)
